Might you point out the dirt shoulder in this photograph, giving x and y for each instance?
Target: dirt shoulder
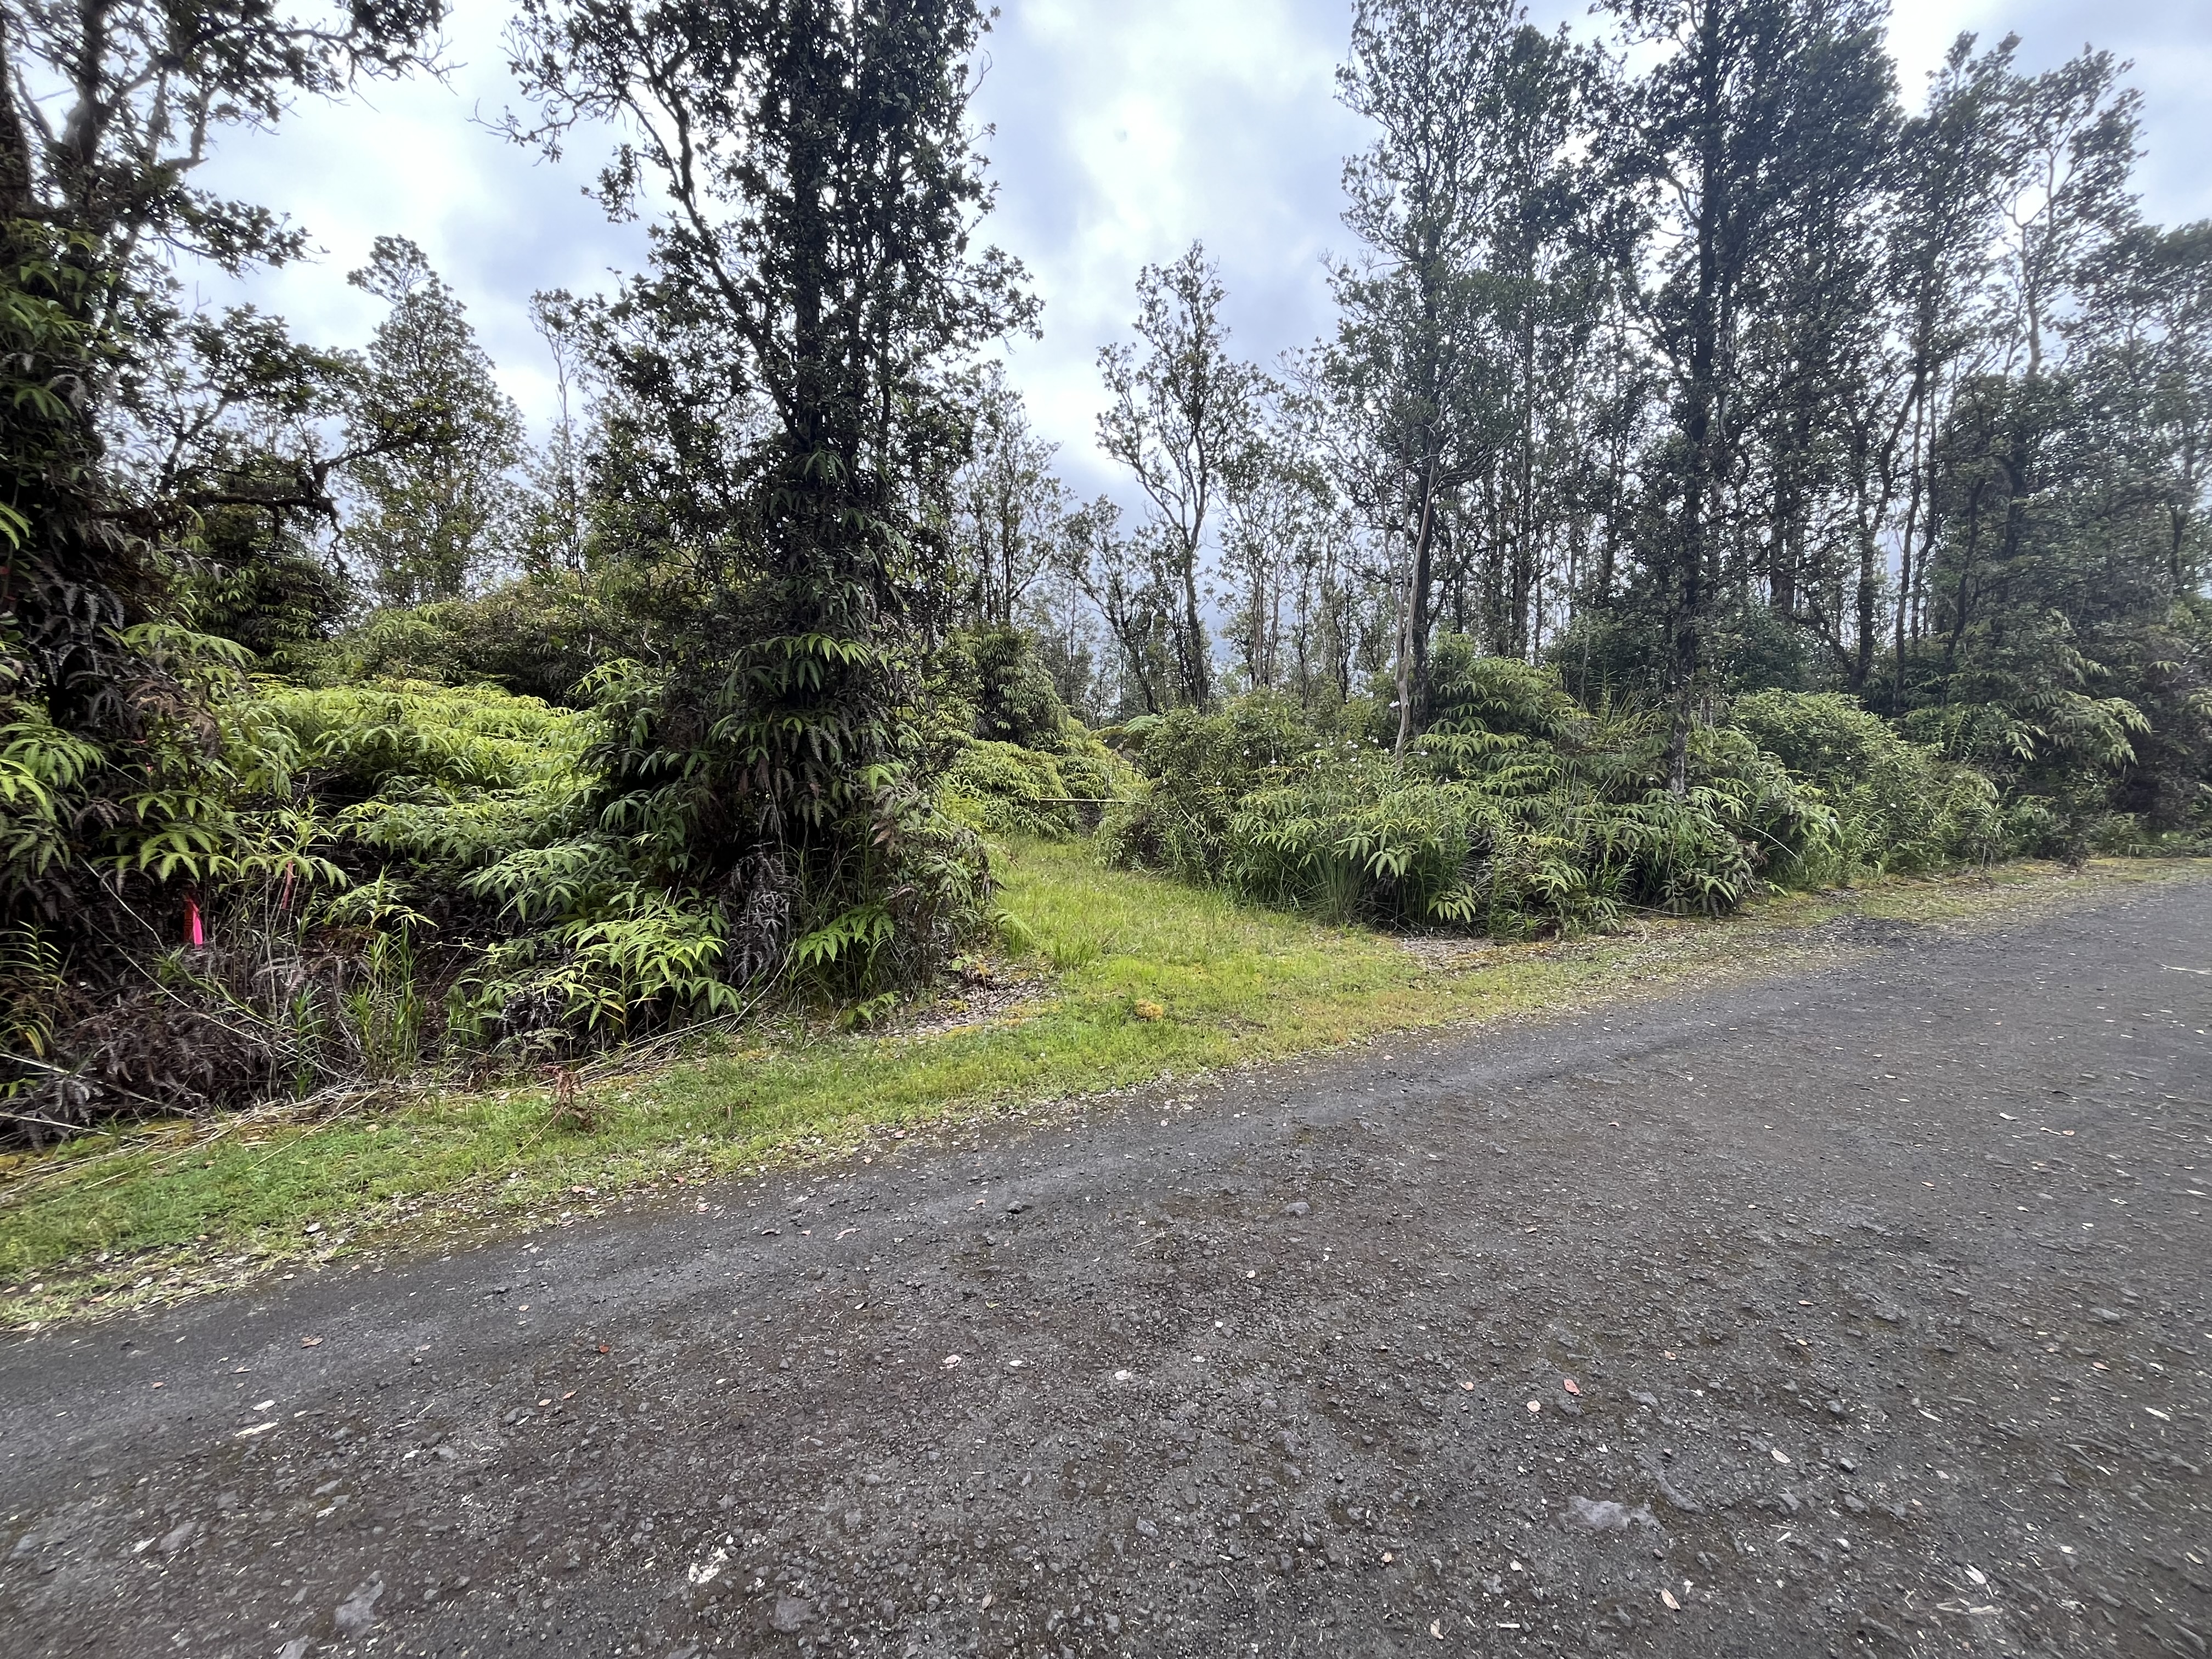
(1882, 1290)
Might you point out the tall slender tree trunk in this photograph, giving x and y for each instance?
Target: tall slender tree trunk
(1701, 495)
(1869, 589)
(1963, 598)
(1916, 471)
(1198, 677)
(1413, 644)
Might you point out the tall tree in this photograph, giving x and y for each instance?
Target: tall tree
(1136, 610)
(1279, 519)
(2075, 130)
(1546, 248)
(1412, 361)
(1009, 509)
(1940, 241)
(108, 109)
(556, 532)
(1182, 415)
(1717, 125)
(434, 515)
(230, 426)
(1818, 383)
(2148, 334)
(786, 431)
(2017, 550)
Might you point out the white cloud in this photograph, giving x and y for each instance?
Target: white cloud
(1127, 132)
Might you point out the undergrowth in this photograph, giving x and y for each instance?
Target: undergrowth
(1521, 813)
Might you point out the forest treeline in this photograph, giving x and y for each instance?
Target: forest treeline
(1723, 471)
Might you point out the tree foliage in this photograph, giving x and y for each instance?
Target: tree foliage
(435, 442)
(1181, 416)
(1721, 476)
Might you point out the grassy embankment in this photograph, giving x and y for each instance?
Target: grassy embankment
(1137, 979)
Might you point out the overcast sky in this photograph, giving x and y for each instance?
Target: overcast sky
(1124, 128)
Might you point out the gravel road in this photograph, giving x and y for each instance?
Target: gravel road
(1859, 1309)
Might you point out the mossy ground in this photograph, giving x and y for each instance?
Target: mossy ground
(1132, 979)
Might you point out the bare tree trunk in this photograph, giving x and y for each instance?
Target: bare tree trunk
(1413, 641)
(1916, 472)
(1198, 680)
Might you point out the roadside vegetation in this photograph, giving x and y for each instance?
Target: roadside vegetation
(1125, 980)
(379, 778)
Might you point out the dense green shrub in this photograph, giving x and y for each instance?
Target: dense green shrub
(1519, 812)
(594, 954)
(201, 795)
(188, 978)
(1196, 770)
(354, 740)
(359, 879)
(1588, 785)
(2167, 784)
(1004, 789)
(468, 814)
(1899, 805)
(994, 687)
(343, 880)
(861, 890)
(1350, 834)
(2097, 739)
(1625, 652)
(1512, 834)
(1480, 702)
(1523, 811)
(2055, 761)
(540, 636)
(262, 590)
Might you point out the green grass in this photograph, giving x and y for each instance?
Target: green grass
(1137, 978)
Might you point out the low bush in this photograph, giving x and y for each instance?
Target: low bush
(1196, 770)
(1901, 807)
(467, 814)
(1523, 810)
(1512, 834)
(992, 684)
(1004, 789)
(364, 879)
(2097, 739)
(540, 636)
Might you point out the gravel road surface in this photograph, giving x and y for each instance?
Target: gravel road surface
(1860, 1308)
